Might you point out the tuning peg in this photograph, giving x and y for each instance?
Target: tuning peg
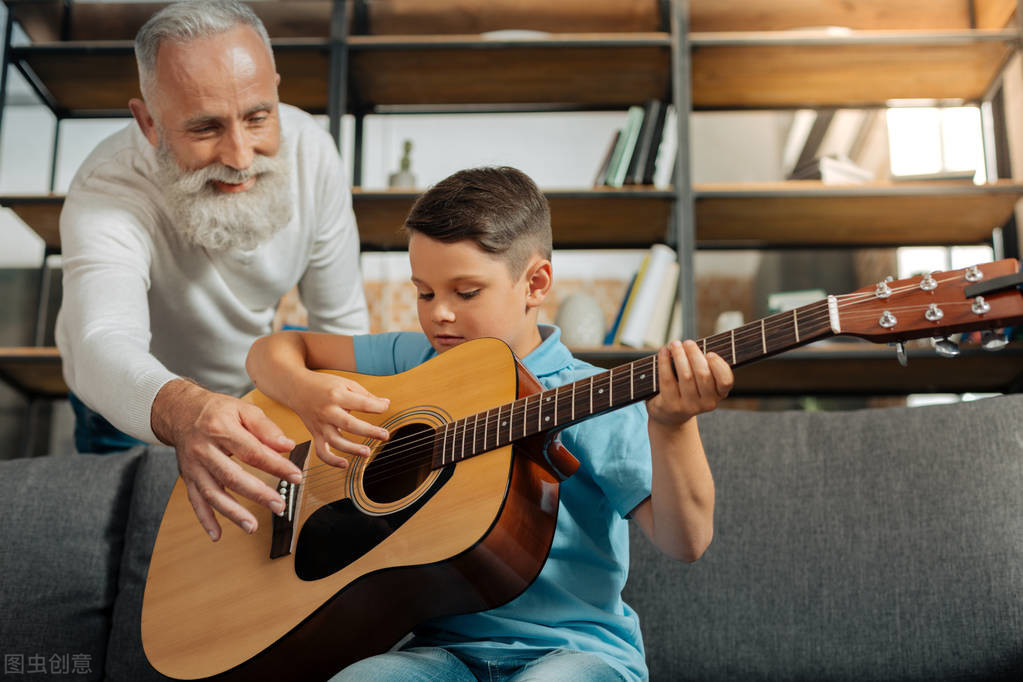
(946, 348)
(900, 353)
(993, 340)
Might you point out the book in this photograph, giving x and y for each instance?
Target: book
(626, 146)
(664, 165)
(601, 177)
(660, 317)
(609, 338)
(649, 135)
(630, 297)
(650, 162)
(647, 291)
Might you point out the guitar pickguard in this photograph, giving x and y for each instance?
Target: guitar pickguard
(339, 533)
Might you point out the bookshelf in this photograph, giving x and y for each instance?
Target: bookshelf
(399, 56)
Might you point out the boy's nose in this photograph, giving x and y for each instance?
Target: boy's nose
(442, 313)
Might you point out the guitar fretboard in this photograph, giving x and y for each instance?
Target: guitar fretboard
(626, 384)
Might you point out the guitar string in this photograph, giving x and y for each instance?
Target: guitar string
(430, 437)
(740, 341)
(463, 427)
(461, 430)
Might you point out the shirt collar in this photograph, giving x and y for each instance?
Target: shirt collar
(551, 356)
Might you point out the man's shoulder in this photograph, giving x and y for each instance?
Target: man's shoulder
(125, 152)
(301, 126)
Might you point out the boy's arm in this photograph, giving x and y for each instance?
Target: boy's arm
(282, 366)
(678, 516)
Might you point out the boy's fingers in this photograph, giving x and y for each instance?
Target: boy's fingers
(723, 376)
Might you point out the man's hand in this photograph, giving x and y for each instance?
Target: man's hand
(210, 431)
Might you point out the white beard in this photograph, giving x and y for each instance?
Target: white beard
(220, 221)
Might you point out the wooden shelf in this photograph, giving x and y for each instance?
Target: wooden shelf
(861, 369)
(34, 371)
(570, 70)
(41, 212)
(809, 213)
(91, 79)
(579, 218)
(793, 69)
(782, 69)
(82, 20)
(790, 214)
(771, 15)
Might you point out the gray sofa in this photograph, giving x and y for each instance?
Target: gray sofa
(866, 545)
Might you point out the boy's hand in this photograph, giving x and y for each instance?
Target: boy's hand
(703, 381)
(324, 402)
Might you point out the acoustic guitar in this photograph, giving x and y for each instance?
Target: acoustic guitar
(456, 512)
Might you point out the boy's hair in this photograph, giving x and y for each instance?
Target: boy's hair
(185, 21)
(499, 208)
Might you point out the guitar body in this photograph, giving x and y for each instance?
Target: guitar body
(367, 557)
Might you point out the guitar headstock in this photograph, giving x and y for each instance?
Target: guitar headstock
(981, 297)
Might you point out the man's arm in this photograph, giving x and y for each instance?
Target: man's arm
(104, 335)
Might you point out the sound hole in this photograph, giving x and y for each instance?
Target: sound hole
(401, 465)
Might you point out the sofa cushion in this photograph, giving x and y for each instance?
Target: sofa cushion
(157, 471)
(62, 534)
(878, 544)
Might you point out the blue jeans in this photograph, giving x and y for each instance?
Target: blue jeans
(435, 664)
(94, 434)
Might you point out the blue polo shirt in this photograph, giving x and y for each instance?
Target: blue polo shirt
(575, 602)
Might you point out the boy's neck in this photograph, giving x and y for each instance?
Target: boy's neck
(528, 343)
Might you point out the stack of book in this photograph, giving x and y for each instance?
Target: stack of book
(642, 152)
(649, 314)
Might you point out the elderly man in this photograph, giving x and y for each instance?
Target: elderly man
(180, 235)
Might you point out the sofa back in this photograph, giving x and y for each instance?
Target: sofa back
(874, 544)
(879, 544)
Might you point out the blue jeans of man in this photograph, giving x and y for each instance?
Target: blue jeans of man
(94, 434)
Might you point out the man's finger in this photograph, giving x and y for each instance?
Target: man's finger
(203, 511)
(232, 476)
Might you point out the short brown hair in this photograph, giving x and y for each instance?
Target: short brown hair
(499, 208)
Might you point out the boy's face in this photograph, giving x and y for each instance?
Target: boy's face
(466, 293)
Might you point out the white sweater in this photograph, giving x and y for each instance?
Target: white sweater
(142, 307)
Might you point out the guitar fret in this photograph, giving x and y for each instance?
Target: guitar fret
(733, 346)
(591, 395)
(610, 386)
(556, 405)
(763, 336)
(443, 456)
(486, 421)
(573, 400)
(465, 426)
(475, 425)
(632, 386)
(525, 413)
(795, 323)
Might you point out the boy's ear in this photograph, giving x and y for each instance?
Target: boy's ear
(539, 279)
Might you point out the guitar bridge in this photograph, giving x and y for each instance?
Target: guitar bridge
(283, 538)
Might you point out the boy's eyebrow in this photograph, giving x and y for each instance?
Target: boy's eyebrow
(457, 278)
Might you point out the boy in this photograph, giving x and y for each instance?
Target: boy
(480, 247)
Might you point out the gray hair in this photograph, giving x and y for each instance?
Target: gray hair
(185, 21)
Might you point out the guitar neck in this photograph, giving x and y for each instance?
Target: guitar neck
(559, 407)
